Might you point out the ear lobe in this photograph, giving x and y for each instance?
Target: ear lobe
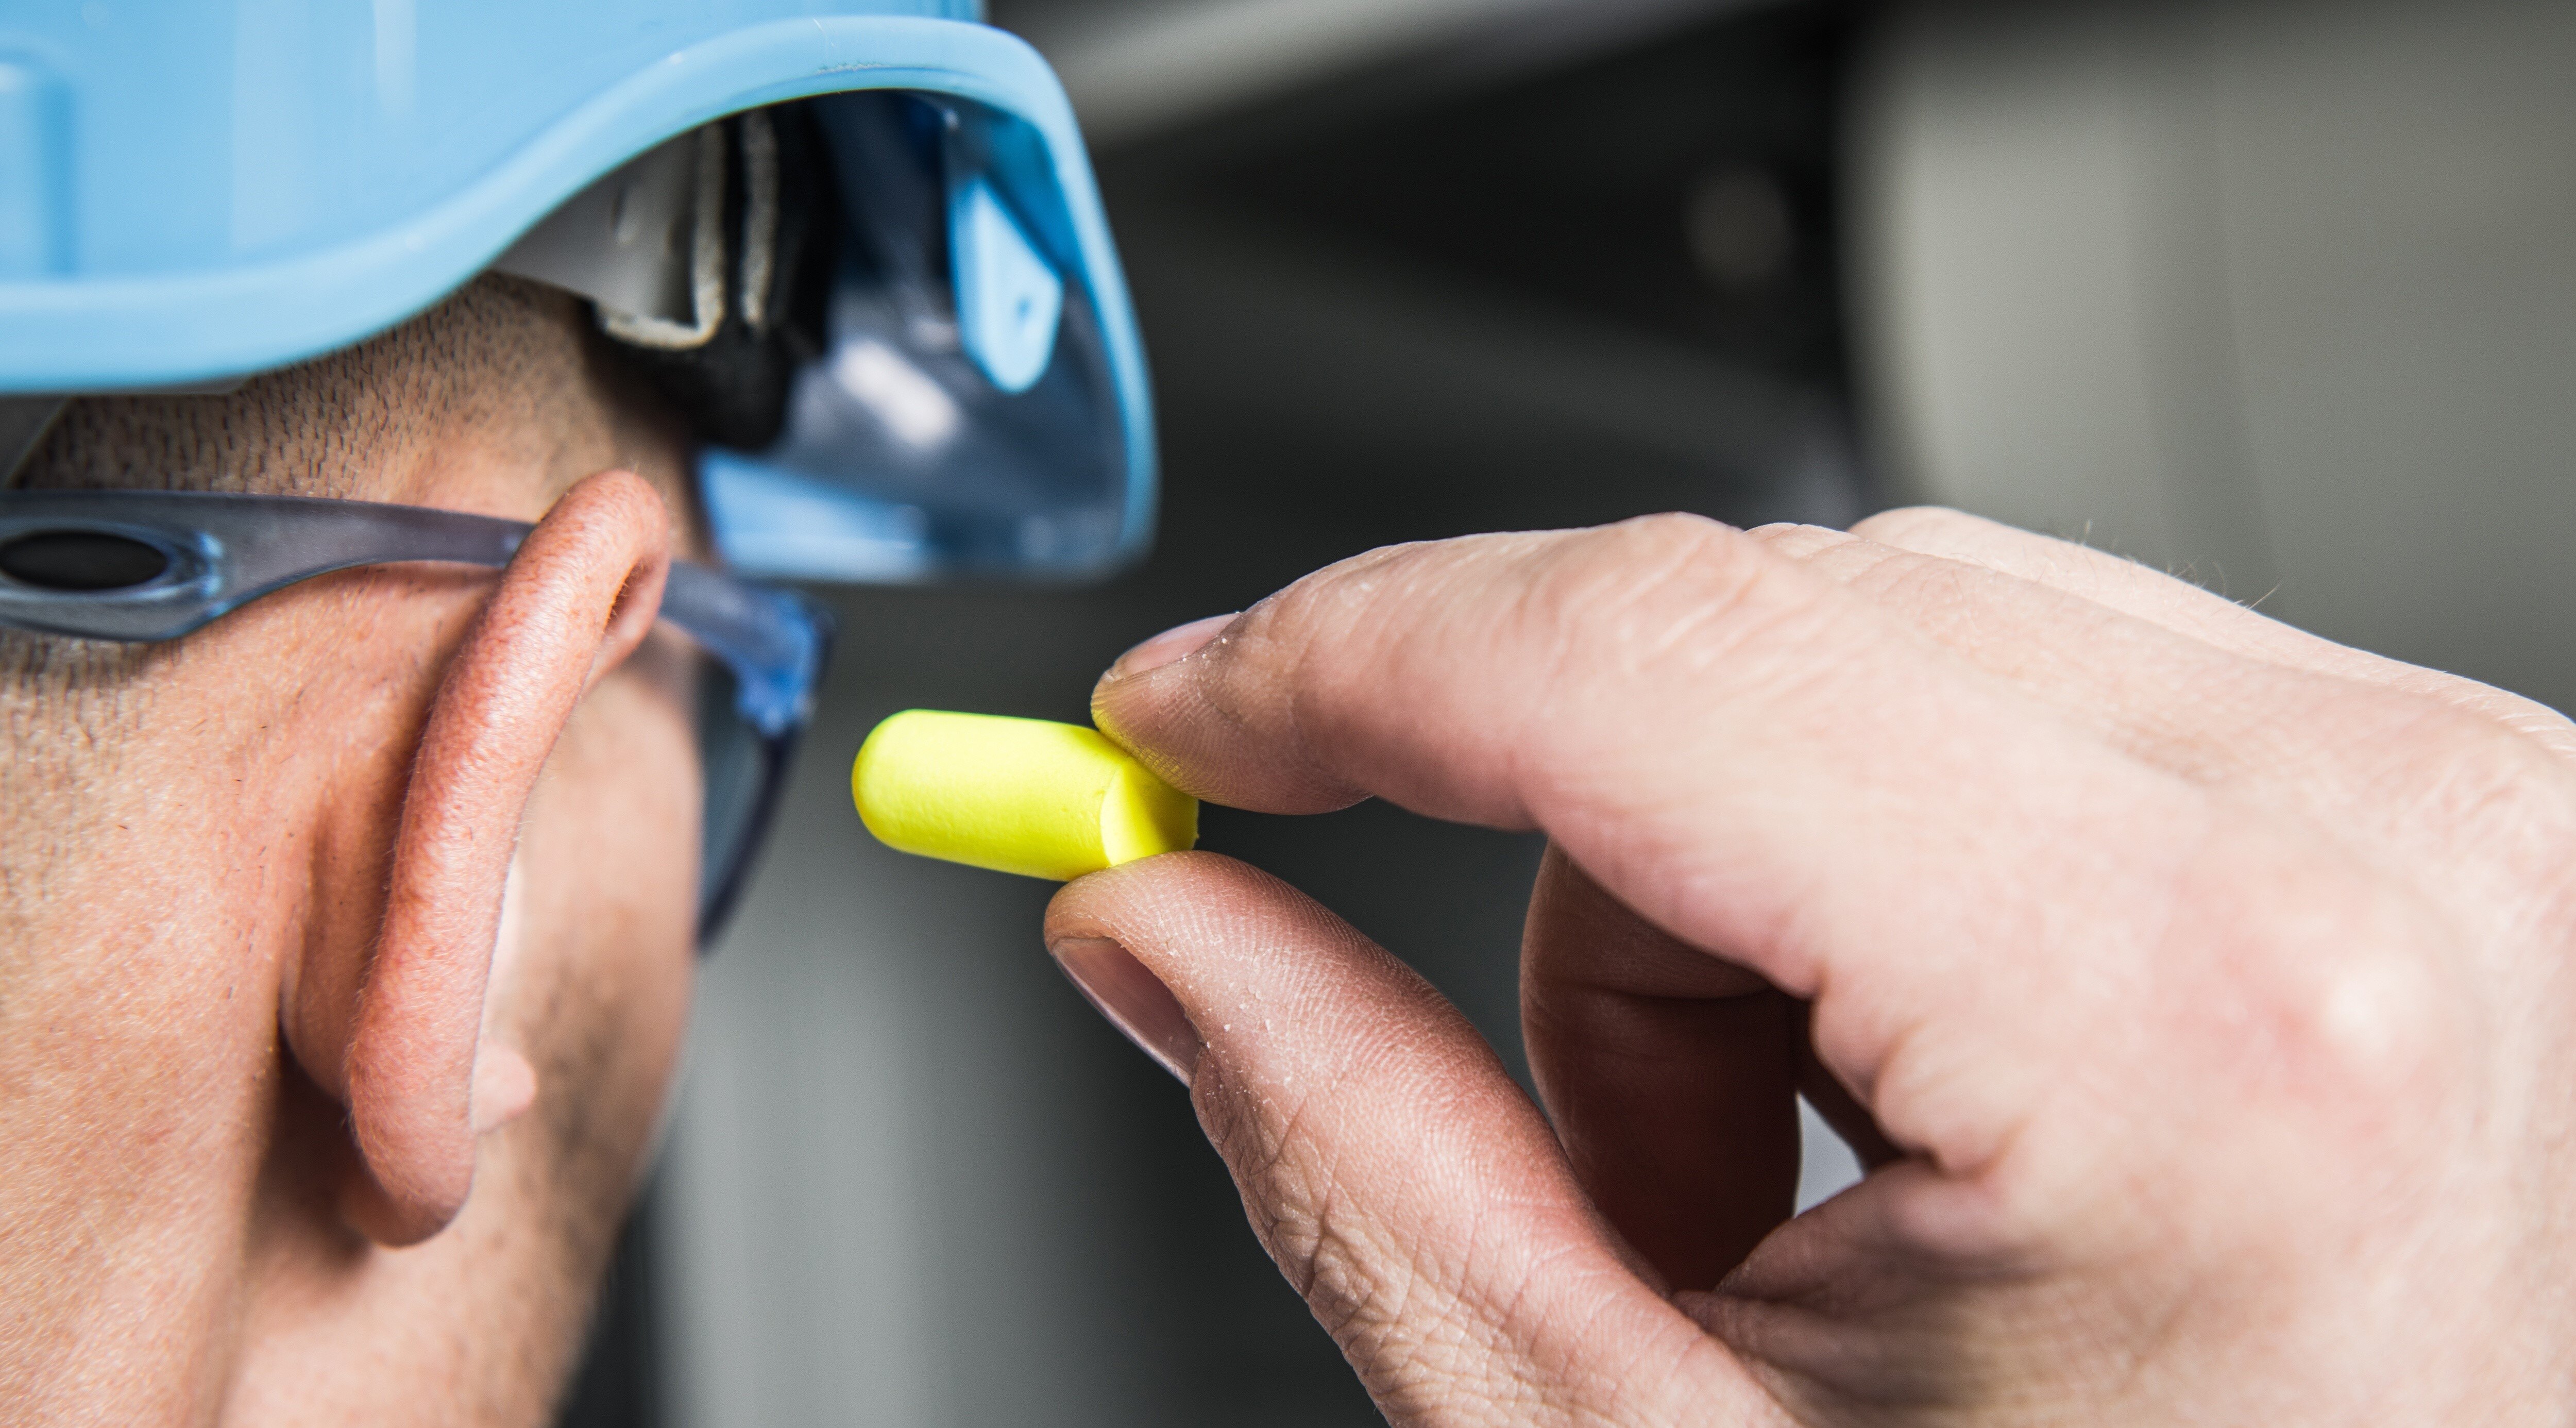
(580, 594)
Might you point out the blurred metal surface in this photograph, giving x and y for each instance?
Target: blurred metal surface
(1137, 68)
(2281, 293)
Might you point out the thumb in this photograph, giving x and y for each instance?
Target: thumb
(1397, 1176)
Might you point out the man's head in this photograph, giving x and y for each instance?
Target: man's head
(256, 876)
(345, 941)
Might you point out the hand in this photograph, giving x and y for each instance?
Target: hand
(2199, 991)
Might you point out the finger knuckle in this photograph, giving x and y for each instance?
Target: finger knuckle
(2475, 775)
(1800, 542)
(2360, 1024)
(1608, 571)
(2484, 811)
(1927, 585)
(2344, 1002)
(1907, 524)
(1661, 597)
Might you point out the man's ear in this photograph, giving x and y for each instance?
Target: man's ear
(398, 1041)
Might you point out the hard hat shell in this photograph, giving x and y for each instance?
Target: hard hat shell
(193, 190)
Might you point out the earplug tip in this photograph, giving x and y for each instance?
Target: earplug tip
(1026, 796)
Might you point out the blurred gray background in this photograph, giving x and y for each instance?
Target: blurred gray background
(2280, 294)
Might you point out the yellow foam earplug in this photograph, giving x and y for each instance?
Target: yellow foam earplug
(1023, 796)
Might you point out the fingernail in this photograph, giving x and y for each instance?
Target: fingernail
(1134, 1000)
(1168, 646)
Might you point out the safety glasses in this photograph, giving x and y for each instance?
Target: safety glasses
(969, 399)
(149, 566)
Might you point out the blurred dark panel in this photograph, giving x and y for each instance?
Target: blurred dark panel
(1684, 189)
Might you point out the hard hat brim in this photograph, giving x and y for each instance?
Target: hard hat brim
(85, 332)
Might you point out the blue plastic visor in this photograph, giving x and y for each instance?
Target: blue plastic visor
(961, 412)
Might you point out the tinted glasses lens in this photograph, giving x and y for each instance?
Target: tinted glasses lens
(741, 768)
(956, 409)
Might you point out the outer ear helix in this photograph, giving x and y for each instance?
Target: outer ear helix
(581, 593)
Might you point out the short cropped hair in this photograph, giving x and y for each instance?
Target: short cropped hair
(498, 348)
(316, 428)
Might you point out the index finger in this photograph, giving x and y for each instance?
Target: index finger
(1750, 756)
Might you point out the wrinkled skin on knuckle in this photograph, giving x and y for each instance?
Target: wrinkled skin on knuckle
(1923, 583)
(1644, 622)
(2495, 805)
(1926, 523)
(1799, 542)
(1428, 1351)
(2476, 823)
(1326, 1250)
(1428, 1358)
(1626, 596)
(1363, 1290)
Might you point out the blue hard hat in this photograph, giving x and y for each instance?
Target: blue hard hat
(859, 238)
